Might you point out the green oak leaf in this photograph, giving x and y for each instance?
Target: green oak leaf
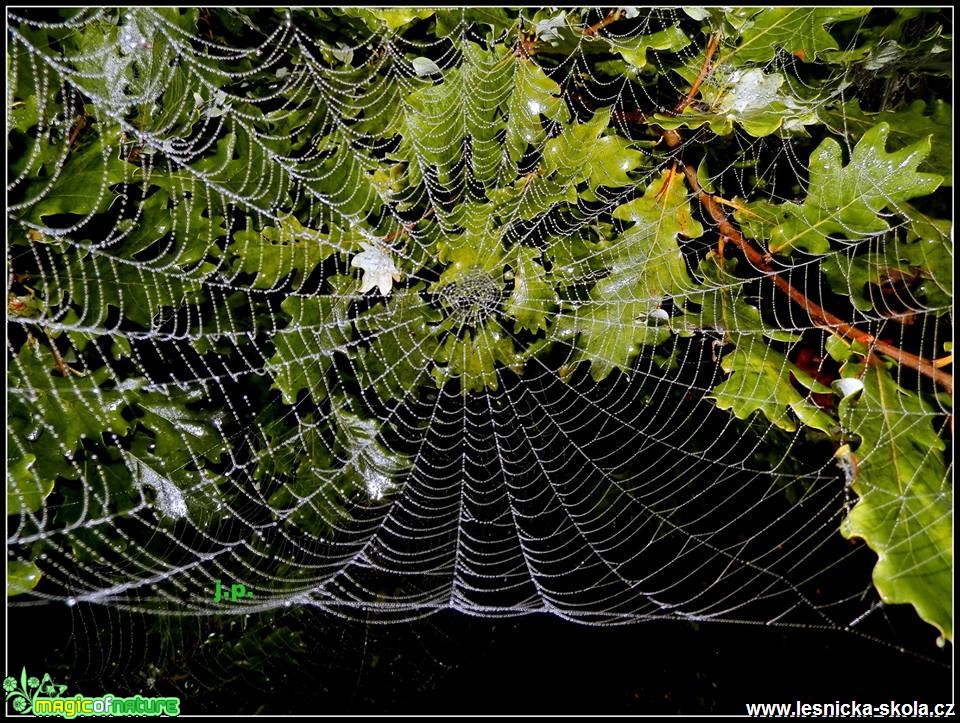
(577, 257)
(503, 110)
(241, 166)
(312, 500)
(82, 187)
(799, 31)
(904, 513)
(365, 462)
(533, 195)
(273, 253)
(23, 114)
(75, 406)
(389, 18)
(141, 292)
(478, 247)
(583, 152)
(563, 34)
(26, 490)
(634, 49)
(722, 308)
(345, 182)
(48, 417)
(760, 380)
(21, 577)
(34, 460)
(534, 95)
(318, 327)
(855, 274)
(402, 345)
(490, 75)
(429, 132)
(188, 234)
(532, 296)
(929, 249)
(360, 468)
(453, 20)
(645, 266)
(918, 120)
(181, 433)
(843, 199)
(473, 357)
(926, 254)
(182, 104)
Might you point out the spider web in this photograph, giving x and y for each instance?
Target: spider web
(445, 440)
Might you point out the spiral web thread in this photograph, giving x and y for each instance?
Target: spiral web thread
(498, 494)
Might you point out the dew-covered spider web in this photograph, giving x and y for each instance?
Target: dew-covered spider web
(386, 312)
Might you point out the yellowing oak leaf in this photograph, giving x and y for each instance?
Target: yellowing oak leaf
(378, 269)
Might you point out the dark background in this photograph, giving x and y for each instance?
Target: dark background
(452, 663)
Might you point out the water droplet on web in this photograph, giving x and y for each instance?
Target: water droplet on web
(131, 39)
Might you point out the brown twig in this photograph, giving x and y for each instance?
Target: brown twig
(407, 227)
(628, 116)
(404, 228)
(62, 366)
(527, 45)
(764, 262)
(820, 316)
(77, 129)
(612, 17)
(672, 138)
(705, 69)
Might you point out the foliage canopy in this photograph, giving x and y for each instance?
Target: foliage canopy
(248, 248)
